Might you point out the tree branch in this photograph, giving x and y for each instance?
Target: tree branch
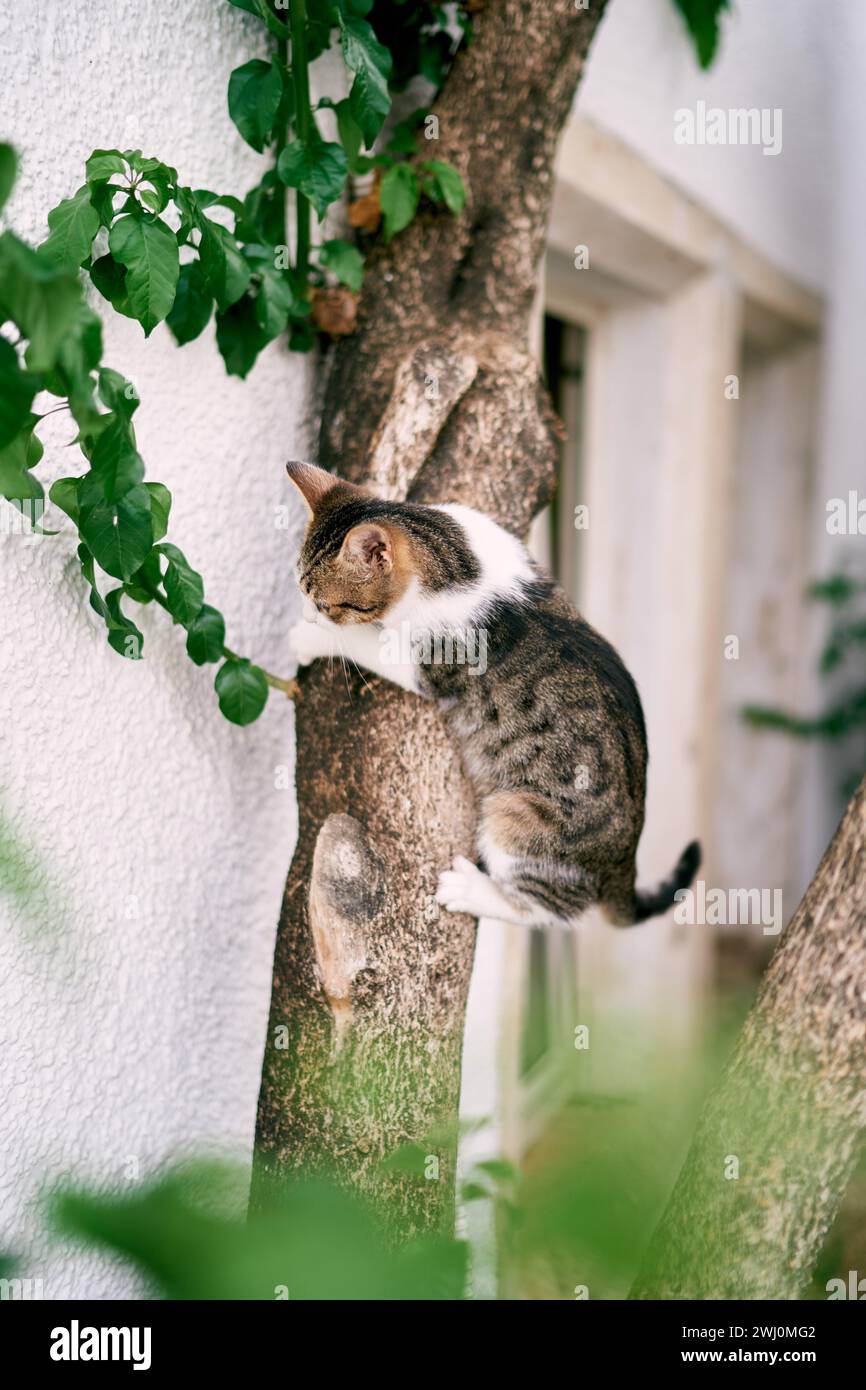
(790, 1107)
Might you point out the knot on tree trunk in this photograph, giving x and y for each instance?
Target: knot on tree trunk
(346, 893)
(427, 385)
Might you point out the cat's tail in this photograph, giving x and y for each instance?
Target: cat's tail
(650, 902)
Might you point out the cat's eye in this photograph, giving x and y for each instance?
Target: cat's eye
(356, 607)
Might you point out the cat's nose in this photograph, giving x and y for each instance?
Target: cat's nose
(323, 607)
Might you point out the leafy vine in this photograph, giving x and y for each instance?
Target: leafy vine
(160, 251)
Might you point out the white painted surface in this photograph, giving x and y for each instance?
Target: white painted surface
(774, 53)
(159, 840)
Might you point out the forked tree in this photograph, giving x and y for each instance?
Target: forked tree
(437, 397)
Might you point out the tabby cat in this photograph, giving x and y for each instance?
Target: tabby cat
(444, 602)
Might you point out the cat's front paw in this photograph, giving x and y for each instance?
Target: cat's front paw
(308, 641)
(464, 888)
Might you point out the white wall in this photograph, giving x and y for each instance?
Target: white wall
(774, 53)
(134, 987)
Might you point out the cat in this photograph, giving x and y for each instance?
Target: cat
(447, 604)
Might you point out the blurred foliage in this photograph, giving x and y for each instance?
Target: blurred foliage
(703, 21)
(578, 1212)
(311, 1241)
(26, 882)
(20, 878)
(842, 656)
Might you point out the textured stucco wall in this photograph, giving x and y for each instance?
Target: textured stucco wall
(134, 986)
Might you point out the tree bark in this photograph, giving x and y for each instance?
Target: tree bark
(790, 1108)
(436, 397)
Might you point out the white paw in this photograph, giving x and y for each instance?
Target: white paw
(308, 641)
(464, 888)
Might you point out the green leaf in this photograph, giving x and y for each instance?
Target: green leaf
(102, 197)
(261, 9)
(73, 225)
(703, 21)
(321, 18)
(206, 636)
(64, 494)
(274, 302)
(17, 389)
(16, 460)
(345, 260)
(80, 351)
(102, 164)
(148, 250)
(369, 99)
(262, 212)
(123, 636)
(434, 55)
(404, 136)
(838, 589)
(42, 300)
(117, 393)
(184, 587)
(399, 192)
(318, 170)
(160, 506)
(205, 199)
(120, 534)
(302, 338)
(116, 463)
(239, 336)
(446, 184)
(350, 133)
(242, 691)
(255, 92)
(193, 304)
(500, 1169)
(109, 277)
(8, 171)
(474, 1192)
(191, 215)
(226, 272)
(97, 602)
(148, 577)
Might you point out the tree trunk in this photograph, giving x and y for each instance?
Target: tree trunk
(790, 1108)
(436, 397)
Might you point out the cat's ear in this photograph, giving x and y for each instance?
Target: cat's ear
(368, 549)
(312, 482)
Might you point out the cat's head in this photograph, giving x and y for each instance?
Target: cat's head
(355, 563)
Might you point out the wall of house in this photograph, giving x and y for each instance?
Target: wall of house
(135, 969)
(803, 208)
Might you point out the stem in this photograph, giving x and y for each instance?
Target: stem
(303, 125)
(280, 145)
(289, 687)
